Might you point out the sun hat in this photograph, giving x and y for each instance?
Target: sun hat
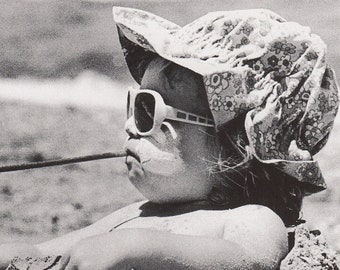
(253, 63)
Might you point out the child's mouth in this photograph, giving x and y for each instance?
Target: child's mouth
(130, 153)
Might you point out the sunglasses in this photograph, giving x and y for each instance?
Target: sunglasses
(149, 111)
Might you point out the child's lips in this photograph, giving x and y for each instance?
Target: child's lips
(130, 148)
(130, 153)
(132, 161)
(135, 170)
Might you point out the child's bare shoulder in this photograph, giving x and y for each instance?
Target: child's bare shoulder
(258, 230)
(118, 217)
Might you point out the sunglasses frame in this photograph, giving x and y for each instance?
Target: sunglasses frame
(162, 112)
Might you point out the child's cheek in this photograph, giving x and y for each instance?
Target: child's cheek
(155, 161)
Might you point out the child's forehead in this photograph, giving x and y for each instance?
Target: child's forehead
(154, 77)
(179, 87)
(173, 82)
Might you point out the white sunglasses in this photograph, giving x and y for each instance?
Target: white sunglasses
(149, 111)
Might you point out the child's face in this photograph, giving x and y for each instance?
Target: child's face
(163, 167)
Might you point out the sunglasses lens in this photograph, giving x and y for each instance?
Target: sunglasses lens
(144, 111)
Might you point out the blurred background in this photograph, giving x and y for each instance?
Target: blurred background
(62, 94)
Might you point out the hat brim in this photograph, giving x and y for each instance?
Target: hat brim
(144, 35)
(136, 31)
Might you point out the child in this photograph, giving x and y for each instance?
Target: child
(230, 110)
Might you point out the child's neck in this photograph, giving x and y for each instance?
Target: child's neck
(172, 209)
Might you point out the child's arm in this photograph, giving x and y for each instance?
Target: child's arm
(9, 251)
(62, 244)
(259, 242)
(150, 249)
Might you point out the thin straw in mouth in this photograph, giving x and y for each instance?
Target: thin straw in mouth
(62, 161)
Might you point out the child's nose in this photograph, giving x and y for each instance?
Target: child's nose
(130, 128)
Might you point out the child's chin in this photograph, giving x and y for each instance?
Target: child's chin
(162, 189)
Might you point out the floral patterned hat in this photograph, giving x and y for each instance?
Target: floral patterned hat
(253, 63)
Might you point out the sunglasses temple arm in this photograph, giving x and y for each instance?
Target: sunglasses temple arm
(182, 116)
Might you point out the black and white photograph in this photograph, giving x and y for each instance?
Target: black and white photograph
(168, 134)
